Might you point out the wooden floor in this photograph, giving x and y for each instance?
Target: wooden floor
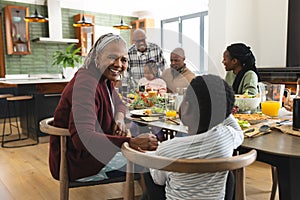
(24, 175)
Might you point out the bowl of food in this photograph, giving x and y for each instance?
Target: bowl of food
(247, 102)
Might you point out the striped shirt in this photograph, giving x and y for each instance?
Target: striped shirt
(218, 142)
(137, 60)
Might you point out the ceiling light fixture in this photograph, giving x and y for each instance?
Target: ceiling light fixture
(83, 23)
(122, 26)
(36, 17)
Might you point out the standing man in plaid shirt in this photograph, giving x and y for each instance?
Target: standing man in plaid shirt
(141, 52)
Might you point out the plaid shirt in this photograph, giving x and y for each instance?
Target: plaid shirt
(137, 60)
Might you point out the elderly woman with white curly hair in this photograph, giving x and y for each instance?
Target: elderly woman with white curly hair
(94, 113)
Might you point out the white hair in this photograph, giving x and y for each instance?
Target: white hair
(98, 47)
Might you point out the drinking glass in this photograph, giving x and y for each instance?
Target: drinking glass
(270, 108)
(170, 105)
(273, 103)
(179, 97)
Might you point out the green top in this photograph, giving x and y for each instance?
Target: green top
(249, 82)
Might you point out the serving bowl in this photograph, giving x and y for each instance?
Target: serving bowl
(246, 103)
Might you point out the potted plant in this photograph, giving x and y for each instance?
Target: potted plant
(68, 59)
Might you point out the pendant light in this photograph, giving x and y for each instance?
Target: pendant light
(36, 17)
(122, 26)
(83, 23)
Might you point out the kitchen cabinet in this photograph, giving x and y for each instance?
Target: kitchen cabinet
(2, 58)
(17, 30)
(46, 95)
(85, 35)
(141, 24)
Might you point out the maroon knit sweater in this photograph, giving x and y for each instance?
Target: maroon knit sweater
(85, 109)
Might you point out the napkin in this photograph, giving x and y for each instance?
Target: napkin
(288, 129)
(255, 133)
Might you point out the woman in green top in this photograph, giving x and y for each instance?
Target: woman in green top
(239, 59)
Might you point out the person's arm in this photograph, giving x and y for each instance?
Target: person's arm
(162, 60)
(159, 177)
(85, 129)
(250, 83)
(119, 127)
(162, 83)
(235, 130)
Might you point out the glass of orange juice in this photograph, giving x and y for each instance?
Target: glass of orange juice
(270, 108)
(170, 105)
(171, 114)
(152, 94)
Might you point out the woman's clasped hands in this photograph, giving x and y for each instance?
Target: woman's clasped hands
(144, 142)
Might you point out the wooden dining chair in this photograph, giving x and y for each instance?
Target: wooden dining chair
(274, 182)
(236, 163)
(47, 127)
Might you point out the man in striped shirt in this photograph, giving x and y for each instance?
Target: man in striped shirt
(213, 133)
(141, 52)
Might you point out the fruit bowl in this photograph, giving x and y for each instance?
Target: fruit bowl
(246, 103)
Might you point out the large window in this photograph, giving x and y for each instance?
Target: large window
(191, 33)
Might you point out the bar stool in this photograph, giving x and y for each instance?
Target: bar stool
(4, 96)
(11, 112)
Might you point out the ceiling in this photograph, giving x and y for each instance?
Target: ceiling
(154, 8)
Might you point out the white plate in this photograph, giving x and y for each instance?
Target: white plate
(150, 119)
(141, 113)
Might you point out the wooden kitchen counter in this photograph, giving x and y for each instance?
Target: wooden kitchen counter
(46, 95)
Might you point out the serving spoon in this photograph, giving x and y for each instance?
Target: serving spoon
(262, 130)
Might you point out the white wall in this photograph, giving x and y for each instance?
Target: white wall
(261, 24)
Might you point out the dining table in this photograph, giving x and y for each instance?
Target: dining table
(169, 128)
(275, 148)
(282, 151)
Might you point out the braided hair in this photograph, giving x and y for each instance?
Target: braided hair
(246, 59)
(213, 98)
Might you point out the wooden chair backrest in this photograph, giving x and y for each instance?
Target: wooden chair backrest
(47, 127)
(234, 163)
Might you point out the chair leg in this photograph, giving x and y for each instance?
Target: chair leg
(129, 185)
(142, 183)
(275, 182)
(64, 190)
(240, 193)
(4, 123)
(63, 171)
(17, 121)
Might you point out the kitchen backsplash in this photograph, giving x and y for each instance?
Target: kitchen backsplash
(39, 61)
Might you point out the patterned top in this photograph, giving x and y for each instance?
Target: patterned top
(218, 142)
(137, 59)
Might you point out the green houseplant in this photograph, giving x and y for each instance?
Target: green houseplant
(67, 58)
